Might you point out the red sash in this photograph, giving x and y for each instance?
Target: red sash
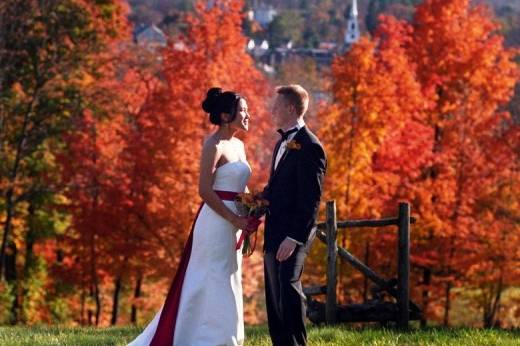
(166, 328)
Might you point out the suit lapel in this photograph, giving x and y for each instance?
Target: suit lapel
(275, 152)
(285, 154)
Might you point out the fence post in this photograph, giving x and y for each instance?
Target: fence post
(403, 273)
(332, 252)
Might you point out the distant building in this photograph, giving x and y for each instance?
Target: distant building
(323, 55)
(150, 36)
(263, 14)
(328, 45)
(280, 54)
(352, 31)
(258, 49)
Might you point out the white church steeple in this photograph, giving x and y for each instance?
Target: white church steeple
(352, 31)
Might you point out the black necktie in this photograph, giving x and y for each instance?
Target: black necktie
(284, 134)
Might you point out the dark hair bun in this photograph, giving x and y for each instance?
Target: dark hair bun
(210, 104)
(218, 102)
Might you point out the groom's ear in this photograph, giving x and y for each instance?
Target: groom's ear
(292, 108)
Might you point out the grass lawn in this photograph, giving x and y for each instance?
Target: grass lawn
(318, 336)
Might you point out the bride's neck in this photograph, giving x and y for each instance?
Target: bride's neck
(225, 132)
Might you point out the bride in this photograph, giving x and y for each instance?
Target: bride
(204, 303)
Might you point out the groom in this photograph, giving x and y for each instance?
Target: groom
(294, 192)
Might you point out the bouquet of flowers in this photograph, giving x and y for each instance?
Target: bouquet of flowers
(252, 206)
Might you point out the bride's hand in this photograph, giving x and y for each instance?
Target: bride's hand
(240, 222)
(253, 224)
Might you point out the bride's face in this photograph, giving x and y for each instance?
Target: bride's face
(241, 121)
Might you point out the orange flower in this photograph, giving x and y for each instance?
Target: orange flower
(293, 145)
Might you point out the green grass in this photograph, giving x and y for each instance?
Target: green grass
(258, 336)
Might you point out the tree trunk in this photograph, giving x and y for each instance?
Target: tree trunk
(353, 121)
(13, 174)
(82, 308)
(365, 280)
(7, 229)
(492, 307)
(94, 294)
(115, 306)
(137, 294)
(29, 258)
(95, 202)
(11, 277)
(94, 288)
(90, 313)
(427, 276)
(447, 305)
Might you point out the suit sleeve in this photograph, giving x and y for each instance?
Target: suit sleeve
(310, 174)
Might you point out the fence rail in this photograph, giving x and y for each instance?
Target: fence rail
(330, 312)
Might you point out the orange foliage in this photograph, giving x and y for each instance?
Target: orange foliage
(416, 116)
(211, 54)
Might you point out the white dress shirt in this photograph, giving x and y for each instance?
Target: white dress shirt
(283, 145)
(281, 151)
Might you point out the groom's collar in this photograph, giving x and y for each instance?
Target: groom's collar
(299, 124)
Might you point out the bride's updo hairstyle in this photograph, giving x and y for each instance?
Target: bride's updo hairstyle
(218, 102)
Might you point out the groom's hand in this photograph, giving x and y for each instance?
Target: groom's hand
(285, 250)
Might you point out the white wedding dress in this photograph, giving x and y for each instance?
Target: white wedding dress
(210, 311)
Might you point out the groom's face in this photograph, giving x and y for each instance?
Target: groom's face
(281, 112)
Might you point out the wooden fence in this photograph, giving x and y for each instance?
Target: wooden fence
(375, 310)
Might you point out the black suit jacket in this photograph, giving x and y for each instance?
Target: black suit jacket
(294, 191)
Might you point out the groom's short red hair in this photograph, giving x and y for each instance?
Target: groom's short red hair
(296, 95)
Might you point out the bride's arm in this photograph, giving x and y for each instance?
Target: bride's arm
(243, 158)
(208, 163)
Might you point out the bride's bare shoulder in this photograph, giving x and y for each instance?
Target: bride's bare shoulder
(211, 141)
(238, 141)
(211, 145)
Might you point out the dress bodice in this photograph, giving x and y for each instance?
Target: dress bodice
(232, 176)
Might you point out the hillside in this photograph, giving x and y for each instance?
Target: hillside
(309, 22)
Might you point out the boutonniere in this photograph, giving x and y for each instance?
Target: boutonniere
(293, 145)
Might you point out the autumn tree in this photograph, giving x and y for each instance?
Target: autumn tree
(45, 55)
(133, 196)
(417, 116)
(374, 93)
(148, 190)
(210, 54)
(468, 74)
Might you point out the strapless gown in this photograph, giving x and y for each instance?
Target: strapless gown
(210, 310)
